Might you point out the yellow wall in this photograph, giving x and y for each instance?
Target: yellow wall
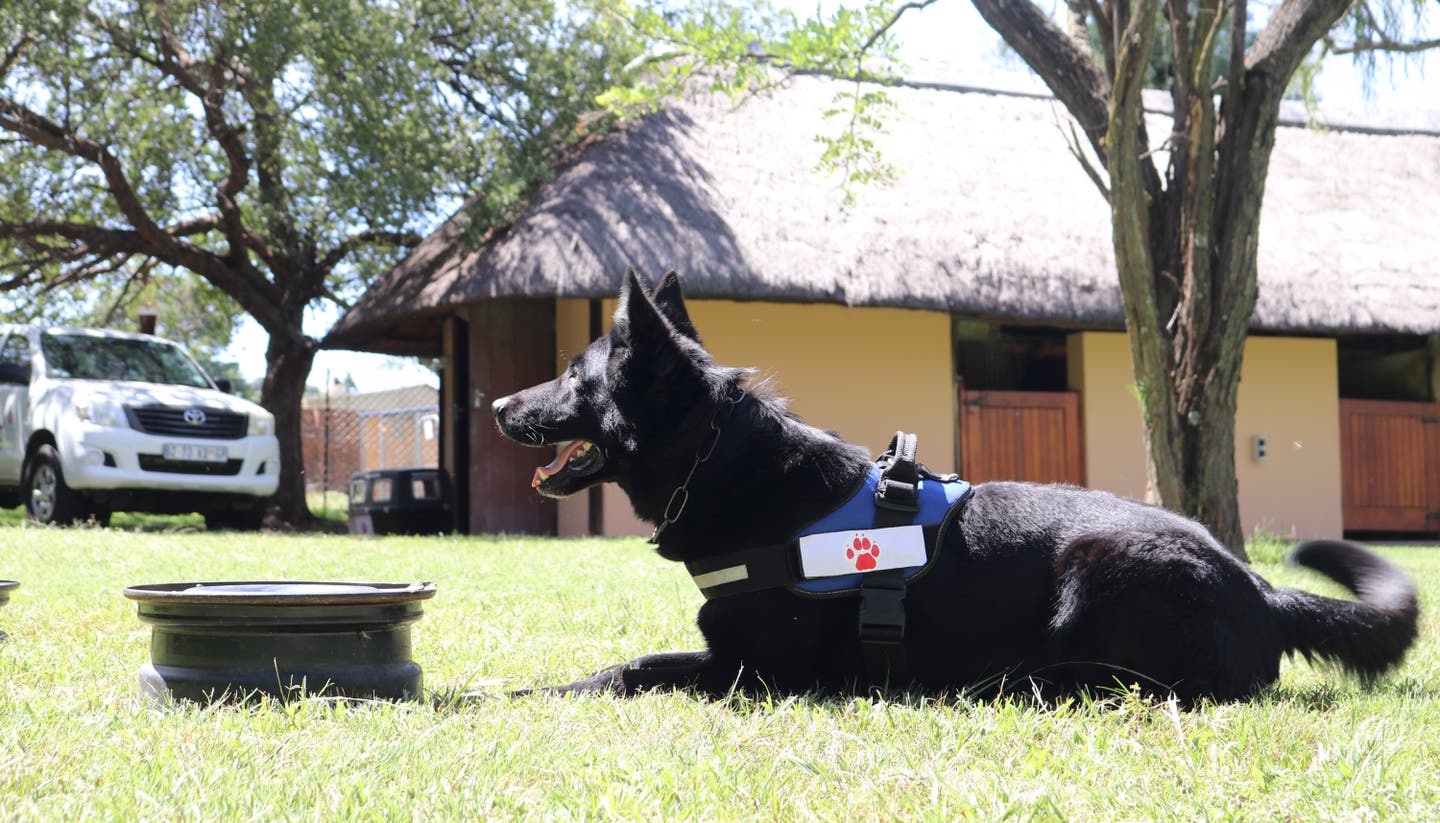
(831, 363)
(572, 334)
(1288, 393)
(1099, 365)
(862, 372)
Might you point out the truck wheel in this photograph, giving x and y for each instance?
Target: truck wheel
(240, 520)
(47, 499)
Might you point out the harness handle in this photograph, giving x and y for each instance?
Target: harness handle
(899, 489)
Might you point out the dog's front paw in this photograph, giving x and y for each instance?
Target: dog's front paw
(605, 681)
(674, 670)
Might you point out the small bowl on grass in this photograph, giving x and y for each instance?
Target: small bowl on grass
(7, 586)
(236, 641)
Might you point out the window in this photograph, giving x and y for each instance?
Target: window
(97, 357)
(1386, 367)
(425, 487)
(1010, 358)
(16, 349)
(381, 490)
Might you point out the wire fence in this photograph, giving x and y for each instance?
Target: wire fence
(345, 433)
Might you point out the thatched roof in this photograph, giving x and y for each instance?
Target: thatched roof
(991, 218)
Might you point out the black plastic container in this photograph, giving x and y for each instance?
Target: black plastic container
(237, 640)
(400, 501)
(6, 586)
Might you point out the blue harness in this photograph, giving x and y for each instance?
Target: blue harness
(896, 492)
(937, 498)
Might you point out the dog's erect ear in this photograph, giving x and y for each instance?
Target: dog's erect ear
(638, 314)
(671, 302)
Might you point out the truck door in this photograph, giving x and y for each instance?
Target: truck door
(14, 409)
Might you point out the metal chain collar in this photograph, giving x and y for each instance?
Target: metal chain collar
(681, 496)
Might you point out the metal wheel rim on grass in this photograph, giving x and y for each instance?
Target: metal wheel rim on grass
(238, 640)
(6, 586)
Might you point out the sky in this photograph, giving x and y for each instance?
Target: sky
(369, 372)
(948, 36)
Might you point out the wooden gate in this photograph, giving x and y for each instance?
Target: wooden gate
(511, 347)
(1390, 462)
(1020, 435)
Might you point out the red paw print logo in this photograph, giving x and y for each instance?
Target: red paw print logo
(863, 551)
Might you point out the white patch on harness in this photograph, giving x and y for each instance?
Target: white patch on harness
(831, 554)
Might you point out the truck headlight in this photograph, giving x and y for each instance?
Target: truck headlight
(102, 413)
(261, 425)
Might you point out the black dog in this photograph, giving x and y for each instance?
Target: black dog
(1051, 587)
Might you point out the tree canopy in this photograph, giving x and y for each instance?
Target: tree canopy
(282, 154)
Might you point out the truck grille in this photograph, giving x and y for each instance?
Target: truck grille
(156, 463)
(170, 420)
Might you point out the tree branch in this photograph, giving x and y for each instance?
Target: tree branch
(1294, 27)
(13, 53)
(45, 133)
(372, 237)
(1072, 142)
(894, 18)
(175, 61)
(1178, 13)
(1069, 72)
(97, 238)
(107, 264)
(1386, 44)
(345, 305)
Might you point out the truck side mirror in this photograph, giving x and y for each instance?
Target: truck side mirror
(224, 384)
(15, 374)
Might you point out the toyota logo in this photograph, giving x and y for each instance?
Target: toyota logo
(195, 417)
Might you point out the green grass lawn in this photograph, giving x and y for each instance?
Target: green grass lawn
(77, 742)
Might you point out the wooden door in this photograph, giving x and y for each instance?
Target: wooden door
(1390, 463)
(455, 417)
(512, 347)
(1020, 435)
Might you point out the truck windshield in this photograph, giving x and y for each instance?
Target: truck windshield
(95, 357)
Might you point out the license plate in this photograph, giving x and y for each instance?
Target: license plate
(361, 524)
(196, 454)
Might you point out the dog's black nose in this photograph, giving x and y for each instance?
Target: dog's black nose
(498, 407)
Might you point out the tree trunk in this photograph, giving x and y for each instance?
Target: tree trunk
(288, 360)
(1185, 245)
(1180, 296)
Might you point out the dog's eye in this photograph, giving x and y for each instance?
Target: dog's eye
(573, 376)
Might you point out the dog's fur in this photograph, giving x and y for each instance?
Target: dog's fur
(1053, 587)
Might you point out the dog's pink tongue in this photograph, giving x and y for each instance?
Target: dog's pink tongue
(561, 457)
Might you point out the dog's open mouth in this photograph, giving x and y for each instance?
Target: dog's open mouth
(574, 459)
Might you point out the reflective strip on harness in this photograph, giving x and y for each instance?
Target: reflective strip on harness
(720, 577)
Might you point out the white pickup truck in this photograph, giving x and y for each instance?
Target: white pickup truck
(97, 421)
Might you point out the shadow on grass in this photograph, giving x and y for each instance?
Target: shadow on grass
(1023, 694)
(997, 692)
(173, 523)
(1331, 695)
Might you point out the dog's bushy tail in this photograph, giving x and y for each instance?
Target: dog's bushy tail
(1367, 636)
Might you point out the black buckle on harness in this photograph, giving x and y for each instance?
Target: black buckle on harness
(897, 496)
(882, 625)
(882, 594)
